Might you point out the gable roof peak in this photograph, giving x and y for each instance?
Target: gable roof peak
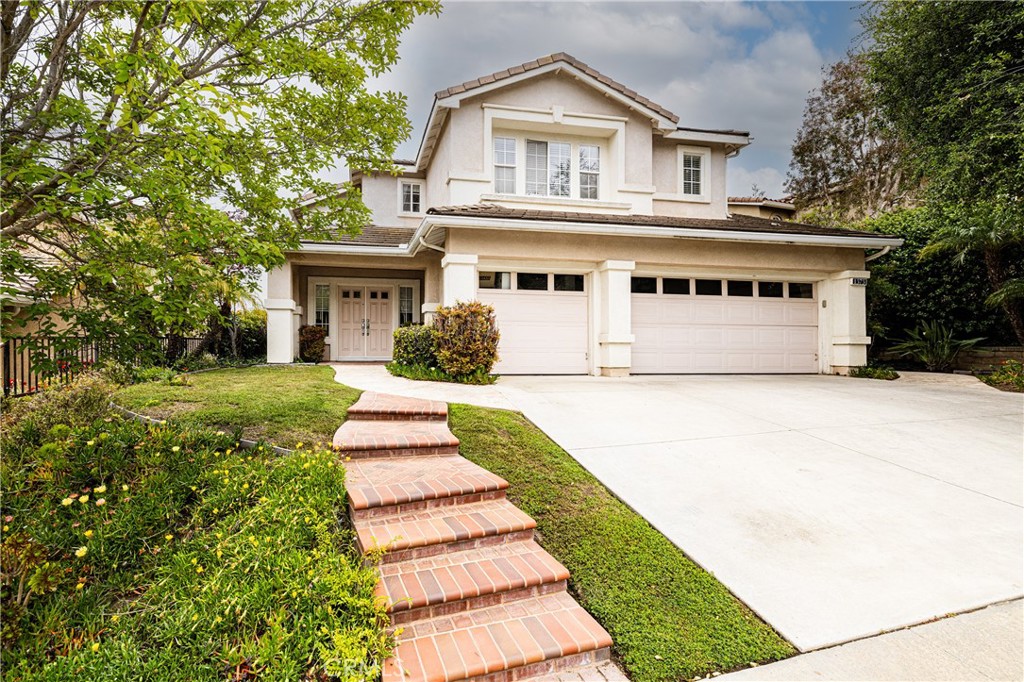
(557, 57)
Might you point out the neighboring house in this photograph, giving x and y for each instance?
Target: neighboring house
(599, 230)
(761, 207)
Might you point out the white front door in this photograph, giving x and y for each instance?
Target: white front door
(366, 323)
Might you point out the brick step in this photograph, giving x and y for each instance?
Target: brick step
(395, 485)
(375, 438)
(373, 406)
(459, 581)
(512, 641)
(443, 529)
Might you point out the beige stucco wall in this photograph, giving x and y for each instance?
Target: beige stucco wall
(760, 211)
(669, 199)
(381, 195)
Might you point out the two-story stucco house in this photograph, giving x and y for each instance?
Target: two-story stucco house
(598, 228)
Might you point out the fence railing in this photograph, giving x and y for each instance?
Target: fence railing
(31, 364)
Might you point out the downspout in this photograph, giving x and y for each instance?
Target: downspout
(878, 254)
(423, 243)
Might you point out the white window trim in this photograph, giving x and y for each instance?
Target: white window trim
(401, 204)
(705, 173)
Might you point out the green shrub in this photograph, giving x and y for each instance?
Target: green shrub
(155, 374)
(196, 361)
(76, 404)
(425, 373)
(1009, 376)
(115, 372)
(251, 334)
(467, 338)
(868, 372)
(416, 345)
(149, 552)
(311, 343)
(933, 345)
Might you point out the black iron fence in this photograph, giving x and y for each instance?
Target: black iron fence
(32, 364)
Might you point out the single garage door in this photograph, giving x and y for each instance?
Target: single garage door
(703, 326)
(543, 321)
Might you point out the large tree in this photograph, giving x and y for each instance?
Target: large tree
(848, 162)
(150, 148)
(950, 76)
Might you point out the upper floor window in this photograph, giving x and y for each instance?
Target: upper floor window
(411, 197)
(551, 168)
(505, 165)
(693, 169)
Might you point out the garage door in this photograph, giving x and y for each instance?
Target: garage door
(542, 318)
(692, 325)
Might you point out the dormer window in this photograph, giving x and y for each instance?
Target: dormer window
(411, 197)
(552, 168)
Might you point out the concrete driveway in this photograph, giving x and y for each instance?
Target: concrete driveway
(835, 508)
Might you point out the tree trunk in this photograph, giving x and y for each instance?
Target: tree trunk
(995, 265)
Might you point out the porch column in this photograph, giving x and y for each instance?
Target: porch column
(844, 314)
(459, 279)
(280, 305)
(614, 317)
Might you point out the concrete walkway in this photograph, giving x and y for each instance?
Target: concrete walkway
(980, 645)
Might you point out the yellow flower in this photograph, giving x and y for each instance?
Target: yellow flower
(66, 502)
(115, 618)
(245, 486)
(83, 499)
(168, 537)
(81, 552)
(95, 647)
(101, 489)
(91, 442)
(195, 561)
(88, 533)
(216, 510)
(298, 445)
(124, 488)
(175, 449)
(199, 569)
(79, 586)
(219, 553)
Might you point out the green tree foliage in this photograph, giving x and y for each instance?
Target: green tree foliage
(848, 162)
(906, 290)
(149, 149)
(950, 76)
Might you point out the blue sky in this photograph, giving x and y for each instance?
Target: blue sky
(722, 64)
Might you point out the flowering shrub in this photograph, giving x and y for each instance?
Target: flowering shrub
(467, 338)
(311, 343)
(1009, 376)
(136, 551)
(416, 345)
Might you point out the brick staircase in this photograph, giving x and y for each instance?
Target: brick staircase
(475, 596)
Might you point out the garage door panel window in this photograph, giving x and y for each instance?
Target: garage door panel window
(801, 290)
(531, 281)
(675, 287)
(709, 287)
(644, 285)
(769, 289)
(741, 287)
(568, 282)
(495, 280)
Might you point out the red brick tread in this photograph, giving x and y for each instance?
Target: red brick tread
(403, 480)
(380, 406)
(495, 639)
(389, 435)
(442, 525)
(447, 578)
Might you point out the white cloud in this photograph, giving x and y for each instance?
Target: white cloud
(741, 181)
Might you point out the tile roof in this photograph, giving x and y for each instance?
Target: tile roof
(551, 59)
(738, 223)
(372, 235)
(756, 200)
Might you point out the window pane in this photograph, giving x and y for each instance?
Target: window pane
(410, 197)
(675, 286)
(590, 158)
(536, 168)
(709, 287)
(505, 151)
(322, 305)
(644, 285)
(801, 290)
(504, 180)
(769, 289)
(404, 305)
(692, 174)
(559, 167)
(532, 281)
(495, 280)
(741, 287)
(568, 282)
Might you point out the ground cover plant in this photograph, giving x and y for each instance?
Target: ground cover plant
(670, 619)
(1008, 377)
(871, 372)
(135, 551)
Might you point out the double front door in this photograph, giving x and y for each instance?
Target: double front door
(366, 322)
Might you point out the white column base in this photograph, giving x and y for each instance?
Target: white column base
(281, 344)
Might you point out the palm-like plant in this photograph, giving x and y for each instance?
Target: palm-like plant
(933, 345)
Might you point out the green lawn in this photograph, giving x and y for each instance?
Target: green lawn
(285, 405)
(670, 619)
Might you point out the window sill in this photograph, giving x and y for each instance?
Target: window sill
(682, 198)
(556, 201)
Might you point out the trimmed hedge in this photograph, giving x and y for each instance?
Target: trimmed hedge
(311, 343)
(467, 338)
(416, 345)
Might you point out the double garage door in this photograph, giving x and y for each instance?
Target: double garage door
(680, 325)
